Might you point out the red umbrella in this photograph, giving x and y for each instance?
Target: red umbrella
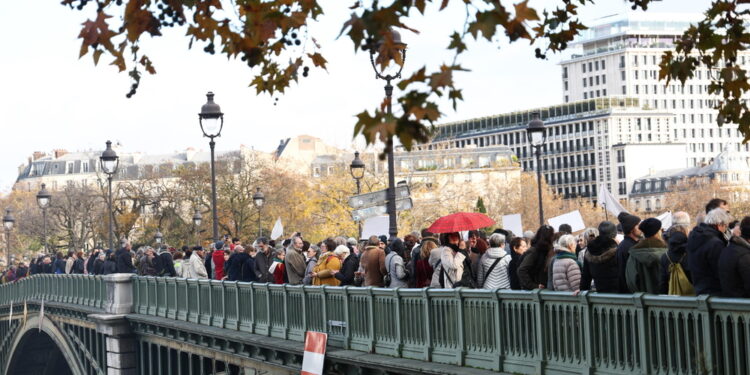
(460, 221)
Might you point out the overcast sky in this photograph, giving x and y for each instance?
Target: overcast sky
(50, 99)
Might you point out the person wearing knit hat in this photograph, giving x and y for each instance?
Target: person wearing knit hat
(600, 261)
(643, 268)
(632, 234)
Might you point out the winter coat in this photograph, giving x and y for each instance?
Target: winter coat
(194, 268)
(566, 273)
(124, 261)
(309, 269)
(434, 262)
(326, 263)
(515, 262)
(218, 264)
(454, 267)
(676, 254)
(234, 266)
(69, 265)
(532, 271)
(60, 265)
(600, 266)
(704, 248)
(146, 266)
(277, 271)
(179, 270)
(394, 265)
(423, 273)
(109, 267)
(498, 278)
(262, 263)
(644, 265)
(348, 268)
(294, 264)
(164, 265)
(372, 261)
(734, 269)
(623, 251)
(248, 268)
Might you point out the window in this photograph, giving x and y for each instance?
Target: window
(585, 95)
(597, 80)
(624, 90)
(604, 92)
(590, 70)
(584, 67)
(604, 79)
(622, 75)
(596, 65)
(565, 85)
(591, 81)
(603, 64)
(622, 62)
(584, 82)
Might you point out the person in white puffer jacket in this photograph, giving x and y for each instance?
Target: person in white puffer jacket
(492, 272)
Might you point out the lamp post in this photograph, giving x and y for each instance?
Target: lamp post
(158, 237)
(537, 136)
(357, 169)
(43, 198)
(197, 220)
(8, 222)
(109, 162)
(212, 121)
(258, 199)
(391, 193)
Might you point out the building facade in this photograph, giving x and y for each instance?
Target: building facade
(620, 55)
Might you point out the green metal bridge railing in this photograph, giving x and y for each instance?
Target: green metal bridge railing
(511, 331)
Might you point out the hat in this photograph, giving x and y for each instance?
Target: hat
(219, 245)
(650, 226)
(607, 229)
(383, 239)
(565, 228)
(628, 222)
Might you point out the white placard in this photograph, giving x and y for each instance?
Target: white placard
(375, 226)
(666, 220)
(278, 230)
(573, 219)
(513, 223)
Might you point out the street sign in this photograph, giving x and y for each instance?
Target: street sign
(377, 198)
(368, 212)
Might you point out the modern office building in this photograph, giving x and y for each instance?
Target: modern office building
(620, 55)
(578, 154)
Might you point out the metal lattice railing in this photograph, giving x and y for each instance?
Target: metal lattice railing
(80, 290)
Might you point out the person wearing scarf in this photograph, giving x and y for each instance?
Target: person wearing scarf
(277, 267)
(566, 271)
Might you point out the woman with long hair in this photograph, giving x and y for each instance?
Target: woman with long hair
(532, 273)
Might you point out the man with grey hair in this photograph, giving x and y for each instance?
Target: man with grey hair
(681, 218)
(704, 247)
(492, 270)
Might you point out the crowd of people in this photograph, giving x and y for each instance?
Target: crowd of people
(629, 256)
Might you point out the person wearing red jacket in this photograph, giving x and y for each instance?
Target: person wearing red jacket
(217, 256)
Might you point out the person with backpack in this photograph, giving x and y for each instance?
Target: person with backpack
(674, 274)
(492, 268)
(643, 266)
(600, 261)
(734, 264)
(453, 270)
(396, 274)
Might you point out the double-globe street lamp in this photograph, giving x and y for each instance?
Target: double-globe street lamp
(357, 169)
(212, 121)
(43, 199)
(8, 222)
(537, 136)
(258, 200)
(391, 192)
(109, 162)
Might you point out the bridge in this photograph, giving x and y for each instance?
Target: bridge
(124, 324)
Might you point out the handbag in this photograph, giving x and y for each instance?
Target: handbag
(387, 276)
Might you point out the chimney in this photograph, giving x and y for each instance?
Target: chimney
(59, 153)
(37, 155)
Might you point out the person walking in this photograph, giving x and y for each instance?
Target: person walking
(632, 235)
(195, 268)
(600, 261)
(372, 263)
(322, 272)
(492, 268)
(532, 272)
(704, 247)
(350, 264)
(643, 267)
(734, 264)
(394, 265)
(566, 271)
(294, 262)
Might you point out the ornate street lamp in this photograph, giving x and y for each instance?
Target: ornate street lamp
(375, 56)
(537, 136)
(43, 199)
(8, 222)
(357, 169)
(109, 162)
(258, 200)
(197, 220)
(212, 122)
(158, 237)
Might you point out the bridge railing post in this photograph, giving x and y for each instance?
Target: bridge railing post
(119, 293)
(119, 341)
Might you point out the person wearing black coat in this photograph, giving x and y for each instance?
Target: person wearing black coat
(124, 260)
(734, 264)
(532, 271)
(164, 264)
(77, 266)
(59, 264)
(91, 260)
(248, 273)
(234, 266)
(632, 235)
(97, 268)
(676, 253)
(704, 247)
(346, 274)
(110, 264)
(600, 261)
